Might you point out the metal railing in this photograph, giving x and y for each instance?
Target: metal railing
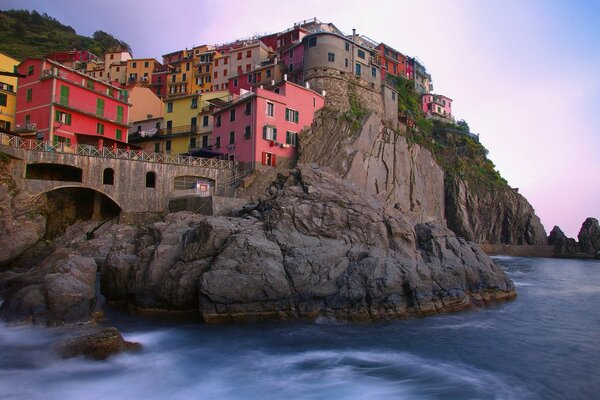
(109, 152)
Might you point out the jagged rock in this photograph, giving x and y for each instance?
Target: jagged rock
(97, 345)
(563, 245)
(322, 247)
(502, 216)
(589, 236)
(59, 291)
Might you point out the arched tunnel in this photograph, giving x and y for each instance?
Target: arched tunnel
(67, 205)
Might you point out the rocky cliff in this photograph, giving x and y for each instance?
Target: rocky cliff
(351, 135)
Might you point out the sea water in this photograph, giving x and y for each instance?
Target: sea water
(543, 345)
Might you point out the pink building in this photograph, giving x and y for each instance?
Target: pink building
(293, 58)
(59, 104)
(261, 128)
(263, 75)
(436, 105)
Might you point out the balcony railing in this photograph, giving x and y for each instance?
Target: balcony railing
(106, 152)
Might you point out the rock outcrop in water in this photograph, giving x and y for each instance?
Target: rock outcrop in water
(98, 345)
(316, 246)
(588, 245)
(589, 236)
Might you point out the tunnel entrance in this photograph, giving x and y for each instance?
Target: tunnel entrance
(65, 206)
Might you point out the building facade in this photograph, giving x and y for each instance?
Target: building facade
(139, 71)
(61, 105)
(437, 106)
(8, 94)
(392, 62)
(260, 129)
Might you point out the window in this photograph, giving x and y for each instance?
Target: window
(216, 74)
(146, 64)
(120, 113)
(235, 82)
(330, 57)
(205, 120)
(27, 120)
(232, 115)
(358, 67)
(247, 132)
(90, 84)
(217, 62)
(119, 134)
(3, 99)
(224, 72)
(62, 117)
(150, 179)
(248, 109)
(248, 53)
(173, 78)
(291, 138)
(187, 67)
(205, 141)
(193, 123)
(373, 72)
(193, 142)
(269, 133)
(118, 69)
(268, 73)
(291, 67)
(108, 176)
(312, 41)
(29, 95)
(347, 46)
(99, 128)
(291, 54)
(218, 142)
(232, 137)
(270, 109)
(346, 63)
(194, 102)
(361, 54)
(100, 107)
(157, 147)
(183, 77)
(248, 67)
(239, 55)
(268, 159)
(169, 126)
(170, 107)
(168, 145)
(393, 95)
(225, 61)
(291, 115)
(218, 121)
(30, 70)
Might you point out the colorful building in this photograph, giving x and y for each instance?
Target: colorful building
(139, 71)
(437, 106)
(8, 93)
(158, 81)
(220, 69)
(267, 74)
(62, 105)
(392, 62)
(261, 128)
(75, 59)
(420, 76)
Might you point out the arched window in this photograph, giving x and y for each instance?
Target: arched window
(150, 179)
(108, 177)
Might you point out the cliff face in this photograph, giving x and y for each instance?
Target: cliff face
(352, 137)
(499, 216)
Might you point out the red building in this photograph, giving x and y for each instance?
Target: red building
(74, 58)
(61, 105)
(261, 128)
(392, 62)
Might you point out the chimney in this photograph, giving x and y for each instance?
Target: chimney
(285, 77)
(353, 34)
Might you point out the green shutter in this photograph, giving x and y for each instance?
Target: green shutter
(29, 93)
(68, 119)
(55, 140)
(100, 107)
(119, 113)
(119, 134)
(287, 114)
(69, 142)
(64, 95)
(287, 137)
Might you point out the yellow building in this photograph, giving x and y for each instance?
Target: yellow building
(8, 93)
(187, 125)
(139, 71)
(203, 61)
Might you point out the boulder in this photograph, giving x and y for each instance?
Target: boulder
(60, 291)
(97, 345)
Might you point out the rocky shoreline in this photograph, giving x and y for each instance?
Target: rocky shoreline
(313, 246)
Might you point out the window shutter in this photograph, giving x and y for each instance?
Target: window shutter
(274, 134)
(264, 158)
(119, 114)
(57, 116)
(64, 95)
(68, 119)
(273, 160)
(264, 132)
(288, 137)
(287, 114)
(55, 140)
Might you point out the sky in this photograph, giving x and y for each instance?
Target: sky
(524, 74)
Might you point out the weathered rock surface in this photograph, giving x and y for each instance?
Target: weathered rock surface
(60, 291)
(316, 246)
(98, 345)
(589, 236)
(562, 244)
(495, 217)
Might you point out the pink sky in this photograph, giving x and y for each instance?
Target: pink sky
(523, 74)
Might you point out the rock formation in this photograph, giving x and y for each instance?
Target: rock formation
(315, 246)
(562, 244)
(98, 345)
(589, 236)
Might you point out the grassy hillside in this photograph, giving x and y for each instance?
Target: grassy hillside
(30, 34)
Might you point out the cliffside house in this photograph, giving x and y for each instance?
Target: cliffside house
(260, 128)
(437, 106)
(62, 105)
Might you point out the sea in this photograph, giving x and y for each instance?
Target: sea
(543, 345)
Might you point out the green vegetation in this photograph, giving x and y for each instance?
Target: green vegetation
(30, 34)
(456, 150)
(357, 112)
